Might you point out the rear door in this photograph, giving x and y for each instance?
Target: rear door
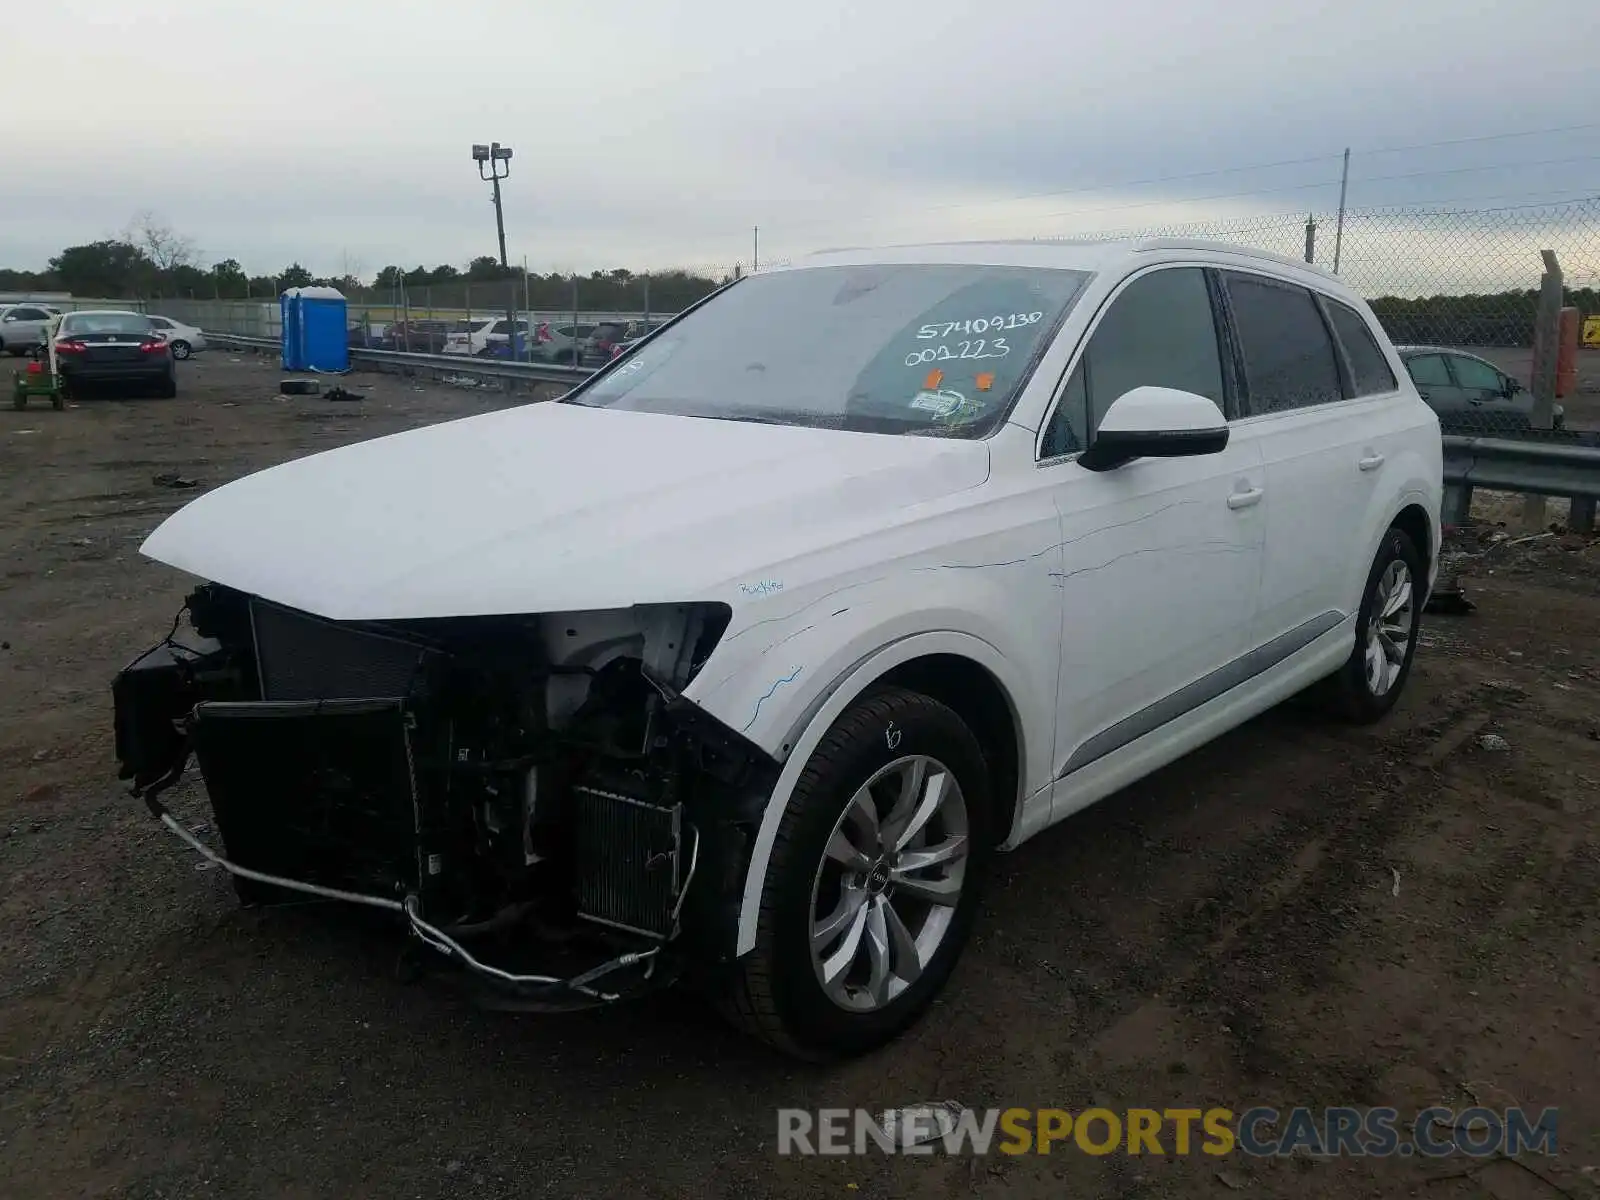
(1437, 387)
(1323, 416)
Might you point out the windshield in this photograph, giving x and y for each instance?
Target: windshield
(109, 322)
(912, 348)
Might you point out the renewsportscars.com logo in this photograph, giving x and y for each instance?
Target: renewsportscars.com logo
(1261, 1131)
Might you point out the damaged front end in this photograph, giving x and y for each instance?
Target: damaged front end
(532, 795)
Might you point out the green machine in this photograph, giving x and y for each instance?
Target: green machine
(40, 378)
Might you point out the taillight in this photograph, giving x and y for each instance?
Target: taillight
(71, 346)
(154, 347)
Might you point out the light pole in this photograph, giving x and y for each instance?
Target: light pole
(494, 164)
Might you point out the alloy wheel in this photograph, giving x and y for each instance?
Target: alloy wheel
(1389, 628)
(884, 896)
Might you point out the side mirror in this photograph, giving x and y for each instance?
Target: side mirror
(1512, 387)
(1155, 422)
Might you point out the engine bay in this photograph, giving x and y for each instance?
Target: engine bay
(517, 783)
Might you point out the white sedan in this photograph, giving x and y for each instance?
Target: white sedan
(741, 661)
(184, 339)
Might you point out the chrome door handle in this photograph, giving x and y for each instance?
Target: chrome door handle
(1371, 463)
(1245, 499)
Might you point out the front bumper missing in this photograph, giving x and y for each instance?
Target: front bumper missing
(533, 988)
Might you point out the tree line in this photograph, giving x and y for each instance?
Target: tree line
(1474, 319)
(150, 261)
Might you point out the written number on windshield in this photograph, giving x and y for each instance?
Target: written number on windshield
(980, 325)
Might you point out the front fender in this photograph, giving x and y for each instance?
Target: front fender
(830, 702)
(770, 676)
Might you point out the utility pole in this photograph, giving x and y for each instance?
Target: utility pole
(1546, 353)
(1344, 190)
(755, 251)
(494, 164)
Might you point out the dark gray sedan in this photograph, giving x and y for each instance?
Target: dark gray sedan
(114, 350)
(1470, 394)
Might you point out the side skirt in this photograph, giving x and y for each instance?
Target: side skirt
(1199, 713)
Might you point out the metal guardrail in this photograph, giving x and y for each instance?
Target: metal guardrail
(1534, 468)
(444, 364)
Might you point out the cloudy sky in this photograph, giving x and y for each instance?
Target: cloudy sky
(338, 132)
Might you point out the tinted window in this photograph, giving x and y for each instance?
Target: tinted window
(1428, 370)
(105, 322)
(28, 314)
(1158, 332)
(1370, 373)
(1288, 358)
(938, 348)
(1470, 373)
(161, 322)
(1065, 434)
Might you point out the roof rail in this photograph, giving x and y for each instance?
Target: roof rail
(1147, 245)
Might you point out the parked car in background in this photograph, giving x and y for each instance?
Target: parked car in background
(366, 335)
(113, 348)
(184, 339)
(480, 336)
(642, 330)
(741, 667)
(559, 343)
(22, 326)
(598, 348)
(425, 336)
(1471, 394)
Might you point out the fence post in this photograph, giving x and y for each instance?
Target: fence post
(1311, 238)
(1546, 343)
(1457, 504)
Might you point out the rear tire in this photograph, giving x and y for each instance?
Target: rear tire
(1371, 680)
(180, 349)
(893, 808)
(168, 389)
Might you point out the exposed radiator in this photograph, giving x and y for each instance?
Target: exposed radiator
(302, 657)
(627, 860)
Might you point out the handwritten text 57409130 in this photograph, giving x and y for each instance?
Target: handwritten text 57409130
(966, 348)
(995, 324)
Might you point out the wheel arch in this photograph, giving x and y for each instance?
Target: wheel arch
(1412, 520)
(960, 670)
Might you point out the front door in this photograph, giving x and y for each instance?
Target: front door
(1161, 557)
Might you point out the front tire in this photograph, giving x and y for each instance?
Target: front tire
(1370, 682)
(873, 882)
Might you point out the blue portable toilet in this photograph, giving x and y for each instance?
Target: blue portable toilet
(315, 329)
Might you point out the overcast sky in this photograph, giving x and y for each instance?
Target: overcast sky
(338, 132)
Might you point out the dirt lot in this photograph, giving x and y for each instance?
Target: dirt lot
(1299, 914)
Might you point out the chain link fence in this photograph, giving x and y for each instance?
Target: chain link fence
(1458, 290)
(1462, 284)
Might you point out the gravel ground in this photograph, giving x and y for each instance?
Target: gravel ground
(1300, 913)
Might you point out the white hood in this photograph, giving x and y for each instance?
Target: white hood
(551, 508)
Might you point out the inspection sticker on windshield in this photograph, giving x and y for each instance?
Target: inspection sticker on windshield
(946, 405)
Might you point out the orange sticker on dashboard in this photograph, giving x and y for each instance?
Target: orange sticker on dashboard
(934, 379)
(985, 381)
